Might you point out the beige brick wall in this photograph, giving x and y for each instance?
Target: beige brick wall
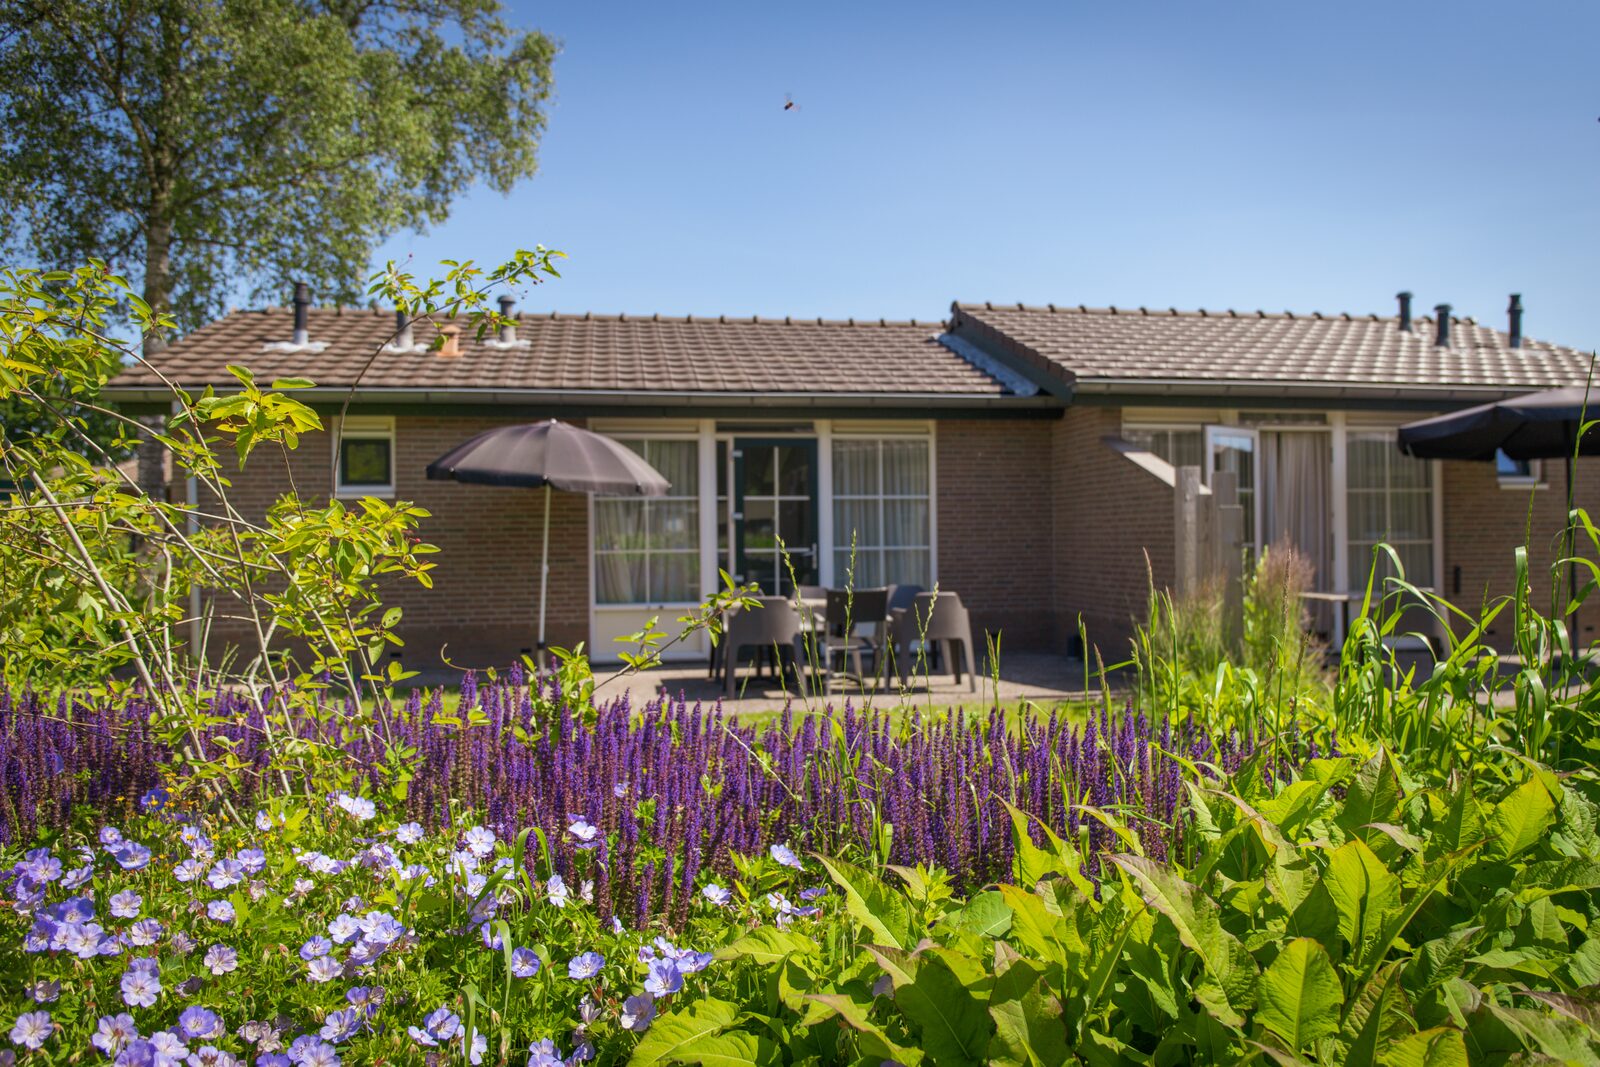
(996, 527)
(483, 608)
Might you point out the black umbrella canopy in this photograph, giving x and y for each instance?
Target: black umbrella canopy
(1537, 426)
(550, 453)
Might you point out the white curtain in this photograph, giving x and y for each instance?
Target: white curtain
(880, 504)
(1296, 506)
(1390, 500)
(647, 550)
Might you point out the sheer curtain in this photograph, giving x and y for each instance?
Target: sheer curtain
(1390, 500)
(880, 506)
(1296, 506)
(646, 550)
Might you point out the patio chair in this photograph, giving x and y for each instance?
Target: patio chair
(845, 612)
(774, 623)
(935, 620)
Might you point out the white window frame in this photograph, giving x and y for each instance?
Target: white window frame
(1209, 457)
(642, 433)
(879, 434)
(363, 428)
(1534, 479)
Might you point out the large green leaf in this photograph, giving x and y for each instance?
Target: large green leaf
(873, 1041)
(878, 907)
(1439, 960)
(1300, 998)
(733, 1049)
(1029, 1027)
(1439, 1047)
(1036, 929)
(1363, 891)
(1374, 796)
(1227, 984)
(952, 1023)
(671, 1034)
(1031, 863)
(987, 915)
(1373, 1019)
(766, 945)
(1521, 820)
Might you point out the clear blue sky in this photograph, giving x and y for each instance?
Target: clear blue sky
(1315, 157)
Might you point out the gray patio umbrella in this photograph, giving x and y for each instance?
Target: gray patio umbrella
(1536, 426)
(1546, 425)
(554, 455)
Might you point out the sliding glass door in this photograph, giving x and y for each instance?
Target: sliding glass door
(775, 513)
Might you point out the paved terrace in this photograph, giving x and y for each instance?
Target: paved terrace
(1041, 678)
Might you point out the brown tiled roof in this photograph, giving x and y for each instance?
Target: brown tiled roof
(576, 353)
(1131, 350)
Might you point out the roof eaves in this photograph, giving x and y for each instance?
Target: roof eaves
(1271, 388)
(625, 397)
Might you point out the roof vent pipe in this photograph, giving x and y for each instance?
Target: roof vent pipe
(1514, 311)
(1442, 338)
(302, 303)
(508, 330)
(402, 329)
(1405, 311)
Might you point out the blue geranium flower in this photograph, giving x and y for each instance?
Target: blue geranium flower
(195, 1022)
(663, 977)
(126, 904)
(32, 1029)
(524, 962)
(784, 855)
(718, 895)
(130, 855)
(220, 911)
(220, 959)
(544, 1053)
(588, 835)
(113, 1032)
(479, 840)
(585, 965)
(324, 969)
(140, 987)
(316, 946)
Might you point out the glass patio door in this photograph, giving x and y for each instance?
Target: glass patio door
(1231, 448)
(775, 512)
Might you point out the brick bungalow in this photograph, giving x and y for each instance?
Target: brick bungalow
(1020, 456)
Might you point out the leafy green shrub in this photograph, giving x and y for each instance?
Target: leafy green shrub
(1350, 918)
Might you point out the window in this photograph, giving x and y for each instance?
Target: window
(1389, 499)
(647, 550)
(1516, 473)
(881, 503)
(1179, 446)
(366, 457)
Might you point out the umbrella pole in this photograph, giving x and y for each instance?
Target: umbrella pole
(544, 573)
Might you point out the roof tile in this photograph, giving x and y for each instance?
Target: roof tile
(585, 352)
(1272, 349)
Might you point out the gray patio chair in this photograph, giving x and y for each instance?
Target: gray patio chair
(774, 623)
(939, 619)
(845, 612)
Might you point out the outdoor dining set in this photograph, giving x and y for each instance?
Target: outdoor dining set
(817, 633)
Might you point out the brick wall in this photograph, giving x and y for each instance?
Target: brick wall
(1109, 514)
(1483, 525)
(996, 532)
(484, 603)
